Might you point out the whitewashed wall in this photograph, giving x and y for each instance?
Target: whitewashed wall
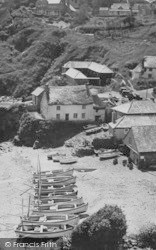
(50, 111)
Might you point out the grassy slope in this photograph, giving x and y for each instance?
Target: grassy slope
(35, 51)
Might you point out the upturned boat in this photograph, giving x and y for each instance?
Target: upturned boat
(55, 219)
(43, 232)
(68, 160)
(106, 156)
(62, 208)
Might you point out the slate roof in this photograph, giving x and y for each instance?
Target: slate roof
(96, 67)
(38, 91)
(137, 107)
(150, 62)
(69, 95)
(75, 74)
(133, 120)
(145, 138)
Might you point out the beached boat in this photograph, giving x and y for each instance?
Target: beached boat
(50, 156)
(106, 156)
(50, 203)
(49, 197)
(94, 130)
(54, 219)
(69, 160)
(57, 181)
(54, 173)
(56, 194)
(56, 158)
(54, 190)
(89, 126)
(62, 208)
(43, 232)
(104, 151)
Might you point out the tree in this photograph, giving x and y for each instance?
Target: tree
(104, 229)
(82, 15)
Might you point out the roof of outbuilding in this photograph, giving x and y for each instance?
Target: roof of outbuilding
(145, 138)
(150, 61)
(133, 120)
(137, 107)
(68, 95)
(38, 91)
(75, 74)
(99, 68)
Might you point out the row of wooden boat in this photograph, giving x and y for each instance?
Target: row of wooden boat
(56, 207)
(61, 158)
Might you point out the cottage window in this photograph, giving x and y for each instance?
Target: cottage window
(83, 115)
(75, 115)
(58, 107)
(149, 75)
(150, 69)
(58, 116)
(83, 106)
(126, 131)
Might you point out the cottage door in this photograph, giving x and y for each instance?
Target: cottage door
(67, 117)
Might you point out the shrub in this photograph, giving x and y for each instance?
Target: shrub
(103, 230)
(147, 236)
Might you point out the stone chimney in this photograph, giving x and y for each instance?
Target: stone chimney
(88, 90)
(46, 88)
(114, 117)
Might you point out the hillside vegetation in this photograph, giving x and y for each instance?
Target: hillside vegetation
(33, 51)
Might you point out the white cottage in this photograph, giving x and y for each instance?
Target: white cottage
(64, 103)
(146, 70)
(70, 103)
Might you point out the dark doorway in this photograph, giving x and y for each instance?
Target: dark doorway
(67, 117)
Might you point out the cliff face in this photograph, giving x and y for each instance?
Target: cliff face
(9, 120)
(33, 51)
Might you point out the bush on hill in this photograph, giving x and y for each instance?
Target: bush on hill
(147, 236)
(103, 230)
(47, 133)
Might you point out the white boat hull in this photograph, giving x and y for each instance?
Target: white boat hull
(52, 203)
(49, 182)
(70, 220)
(80, 209)
(44, 235)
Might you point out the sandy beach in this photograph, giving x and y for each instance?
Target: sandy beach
(134, 191)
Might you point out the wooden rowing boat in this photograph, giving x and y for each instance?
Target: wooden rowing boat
(50, 203)
(55, 190)
(56, 194)
(89, 126)
(43, 232)
(55, 219)
(57, 181)
(46, 198)
(50, 189)
(107, 156)
(55, 173)
(63, 208)
(50, 156)
(69, 160)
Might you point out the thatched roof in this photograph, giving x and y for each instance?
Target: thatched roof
(69, 95)
(145, 138)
